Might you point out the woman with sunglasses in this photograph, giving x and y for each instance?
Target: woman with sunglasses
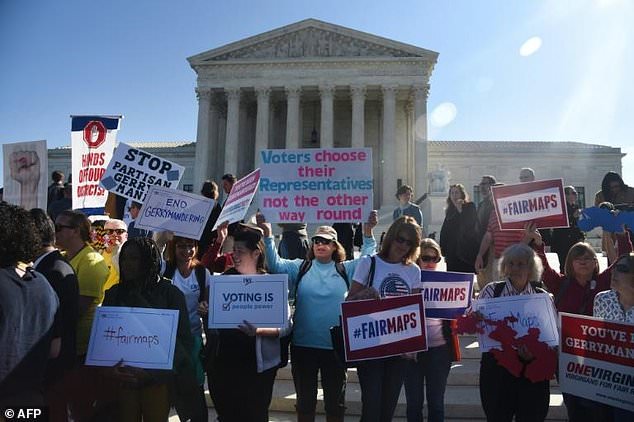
(574, 292)
(395, 274)
(191, 278)
(617, 304)
(431, 368)
(458, 238)
(317, 308)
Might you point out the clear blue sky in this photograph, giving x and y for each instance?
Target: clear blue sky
(129, 57)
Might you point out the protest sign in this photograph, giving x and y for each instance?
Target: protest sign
(316, 185)
(26, 174)
(384, 327)
(239, 199)
(92, 142)
(180, 212)
(542, 202)
(596, 358)
(141, 337)
(260, 299)
(446, 294)
(530, 311)
(131, 172)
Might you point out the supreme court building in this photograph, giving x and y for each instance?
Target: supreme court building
(313, 84)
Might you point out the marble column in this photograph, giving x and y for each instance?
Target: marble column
(293, 94)
(327, 119)
(201, 163)
(233, 126)
(358, 116)
(388, 149)
(420, 94)
(262, 122)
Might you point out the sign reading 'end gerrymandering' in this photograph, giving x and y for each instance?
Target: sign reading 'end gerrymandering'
(596, 358)
(542, 202)
(384, 327)
(316, 185)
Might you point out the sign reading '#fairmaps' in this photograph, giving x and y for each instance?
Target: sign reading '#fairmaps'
(316, 185)
(446, 294)
(262, 300)
(141, 337)
(132, 172)
(92, 141)
(383, 327)
(596, 358)
(542, 202)
(182, 213)
(530, 311)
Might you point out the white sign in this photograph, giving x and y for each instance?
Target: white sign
(316, 185)
(262, 300)
(240, 197)
(141, 337)
(92, 142)
(182, 213)
(26, 174)
(531, 311)
(132, 172)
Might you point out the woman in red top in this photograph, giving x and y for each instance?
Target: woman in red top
(574, 292)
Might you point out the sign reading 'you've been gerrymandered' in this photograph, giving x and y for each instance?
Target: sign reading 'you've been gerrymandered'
(316, 185)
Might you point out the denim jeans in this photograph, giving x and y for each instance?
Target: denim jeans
(381, 381)
(431, 369)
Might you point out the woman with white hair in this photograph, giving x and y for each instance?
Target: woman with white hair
(503, 394)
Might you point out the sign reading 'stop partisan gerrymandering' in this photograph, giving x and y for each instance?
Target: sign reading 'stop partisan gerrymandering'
(446, 294)
(542, 202)
(383, 327)
(316, 185)
(131, 172)
(596, 358)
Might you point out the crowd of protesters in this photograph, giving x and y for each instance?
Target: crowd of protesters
(58, 266)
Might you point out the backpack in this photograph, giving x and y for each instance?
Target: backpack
(201, 278)
(499, 286)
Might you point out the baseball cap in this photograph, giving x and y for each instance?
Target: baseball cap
(326, 232)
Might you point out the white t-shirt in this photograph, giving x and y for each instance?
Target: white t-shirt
(191, 290)
(389, 279)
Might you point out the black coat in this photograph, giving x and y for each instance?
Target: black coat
(459, 239)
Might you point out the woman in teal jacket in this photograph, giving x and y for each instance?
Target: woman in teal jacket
(318, 294)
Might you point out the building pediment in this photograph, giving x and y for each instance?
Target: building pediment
(311, 38)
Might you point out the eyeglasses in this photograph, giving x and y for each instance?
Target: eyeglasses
(585, 258)
(60, 227)
(427, 258)
(321, 241)
(185, 245)
(622, 268)
(402, 240)
(117, 231)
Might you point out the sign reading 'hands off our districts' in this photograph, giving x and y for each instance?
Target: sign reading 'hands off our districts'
(316, 185)
(542, 202)
(141, 337)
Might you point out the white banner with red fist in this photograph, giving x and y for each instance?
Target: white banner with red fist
(26, 174)
(92, 141)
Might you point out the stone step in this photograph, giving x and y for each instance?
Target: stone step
(461, 402)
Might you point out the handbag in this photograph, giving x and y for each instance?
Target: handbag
(336, 332)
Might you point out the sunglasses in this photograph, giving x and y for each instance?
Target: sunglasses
(402, 240)
(117, 231)
(426, 258)
(185, 245)
(60, 227)
(321, 241)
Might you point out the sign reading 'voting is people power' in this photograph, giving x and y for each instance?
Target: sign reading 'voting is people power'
(262, 300)
(131, 172)
(141, 337)
(542, 202)
(316, 185)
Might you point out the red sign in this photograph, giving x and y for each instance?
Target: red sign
(384, 327)
(94, 134)
(542, 202)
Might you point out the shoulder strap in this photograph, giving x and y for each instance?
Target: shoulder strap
(201, 277)
(303, 269)
(341, 269)
(538, 287)
(562, 290)
(498, 287)
(371, 272)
